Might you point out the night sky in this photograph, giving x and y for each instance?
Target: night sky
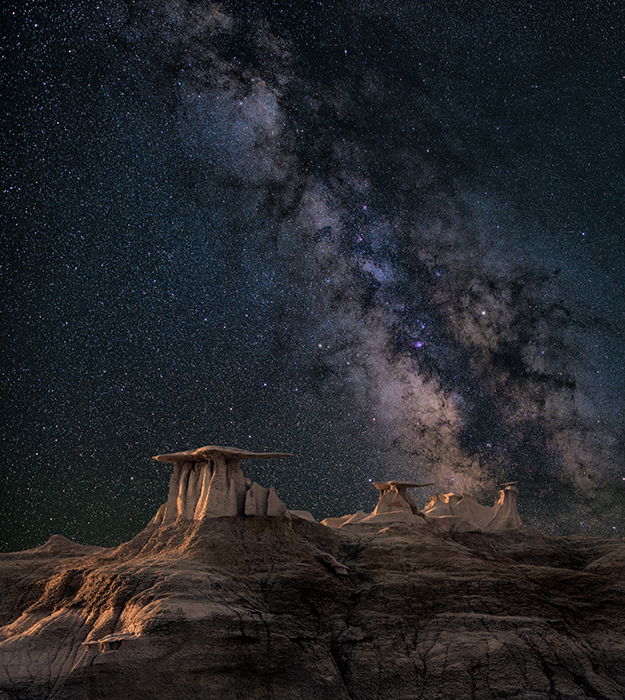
(386, 236)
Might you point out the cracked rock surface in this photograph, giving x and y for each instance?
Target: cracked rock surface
(265, 607)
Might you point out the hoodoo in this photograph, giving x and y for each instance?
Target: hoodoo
(451, 511)
(209, 483)
(394, 496)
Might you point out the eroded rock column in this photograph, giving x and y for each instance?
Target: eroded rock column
(209, 483)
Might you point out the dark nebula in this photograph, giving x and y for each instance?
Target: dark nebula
(386, 236)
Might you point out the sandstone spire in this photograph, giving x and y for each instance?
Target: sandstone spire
(209, 483)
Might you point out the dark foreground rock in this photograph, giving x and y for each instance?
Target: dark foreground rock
(246, 607)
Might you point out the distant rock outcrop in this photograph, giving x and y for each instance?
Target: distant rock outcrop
(462, 506)
(303, 514)
(394, 504)
(345, 519)
(453, 512)
(462, 510)
(505, 515)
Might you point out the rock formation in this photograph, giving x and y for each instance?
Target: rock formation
(505, 514)
(394, 504)
(343, 519)
(457, 512)
(240, 607)
(209, 483)
(390, 606)
(449, 509)
(304, 514)
(461, 506)
(394, 496)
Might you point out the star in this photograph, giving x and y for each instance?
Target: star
(182, 227)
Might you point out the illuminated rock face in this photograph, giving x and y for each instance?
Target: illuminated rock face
(209, 483)
(394, 504)
(350, 518)
(231, 608)
(211, 607)
(503, 515)
(461, 505)
(394, 496)
(453, 512)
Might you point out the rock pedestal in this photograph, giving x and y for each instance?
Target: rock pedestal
(394, 496)
(209, 483)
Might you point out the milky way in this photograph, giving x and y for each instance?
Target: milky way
(388, 239)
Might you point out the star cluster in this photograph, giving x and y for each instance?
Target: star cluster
(387, 237)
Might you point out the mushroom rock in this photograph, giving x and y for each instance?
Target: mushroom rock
(395, 497)
(394, 503)
(505, 515)
(461, 505)
(209, 483)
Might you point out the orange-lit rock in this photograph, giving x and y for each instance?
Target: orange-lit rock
(394, 496)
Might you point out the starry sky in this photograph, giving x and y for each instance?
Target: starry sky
(388, 237)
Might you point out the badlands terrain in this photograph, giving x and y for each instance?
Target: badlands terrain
(228, 594)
